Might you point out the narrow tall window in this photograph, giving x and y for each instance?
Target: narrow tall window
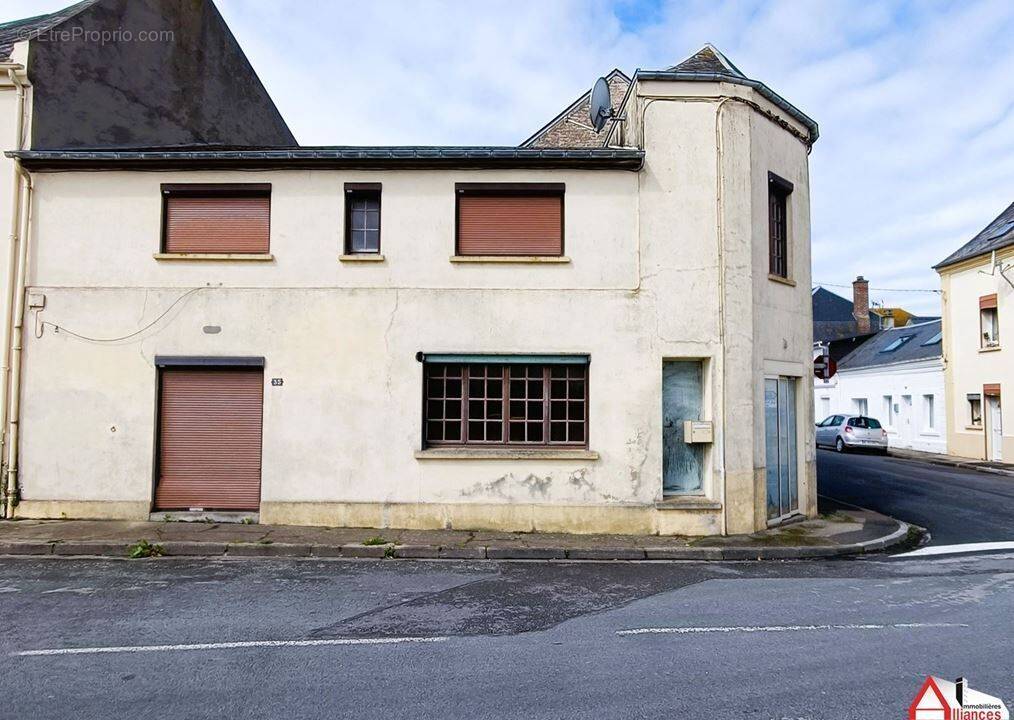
(216, 219)
(989, 322)
(927, 411)
(779, 190)
(509, 219)
(505, 403)
(362, 218)
(889, 410)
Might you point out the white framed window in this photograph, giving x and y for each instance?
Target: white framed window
(927, 412)
(889, 410)
(861, 406)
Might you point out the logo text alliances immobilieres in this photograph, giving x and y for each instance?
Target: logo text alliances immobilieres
(940, 699)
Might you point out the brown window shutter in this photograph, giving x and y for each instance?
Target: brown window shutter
(210, 439)
(217, 224)
(513, 224)
(987, 301)
(991, 389)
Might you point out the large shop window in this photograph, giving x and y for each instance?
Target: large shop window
(230, 219)
(509, 219)
(511, 401)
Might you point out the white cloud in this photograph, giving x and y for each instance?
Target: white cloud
(915, 100)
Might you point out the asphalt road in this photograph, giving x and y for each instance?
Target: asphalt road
(955, 505)
(843, 639)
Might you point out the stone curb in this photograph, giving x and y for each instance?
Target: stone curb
(961, 464)
(187, 548)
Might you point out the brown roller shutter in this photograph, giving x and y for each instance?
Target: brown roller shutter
(987, 301)
(510, 224)
(210, 439)
(217, 224)
(991, 389)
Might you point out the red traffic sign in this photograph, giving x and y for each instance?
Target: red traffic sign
(824, 367)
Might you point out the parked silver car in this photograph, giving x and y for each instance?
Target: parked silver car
(849, 432)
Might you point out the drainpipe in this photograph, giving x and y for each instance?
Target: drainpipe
(17, 324)
(8, 492)
(722, 335)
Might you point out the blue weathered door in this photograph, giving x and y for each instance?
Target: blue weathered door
(682, 464)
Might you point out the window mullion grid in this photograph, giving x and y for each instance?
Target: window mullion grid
(465, 401)
(505, 407)
(546, 438)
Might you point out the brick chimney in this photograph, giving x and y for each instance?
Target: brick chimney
(861, 303)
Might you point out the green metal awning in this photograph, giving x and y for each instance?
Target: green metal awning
(504, 359)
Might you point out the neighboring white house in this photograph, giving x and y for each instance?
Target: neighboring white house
(898, 378)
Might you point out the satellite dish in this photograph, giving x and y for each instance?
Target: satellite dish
(601, 105)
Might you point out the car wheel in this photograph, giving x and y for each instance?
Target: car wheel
(839, 445)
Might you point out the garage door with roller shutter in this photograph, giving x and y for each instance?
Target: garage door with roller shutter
(209, 438)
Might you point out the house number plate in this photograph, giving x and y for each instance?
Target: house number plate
(276, 382)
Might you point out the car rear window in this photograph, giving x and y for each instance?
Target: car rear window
(864, 422)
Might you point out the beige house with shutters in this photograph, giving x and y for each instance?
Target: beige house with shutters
(609, 337)
(978, 324)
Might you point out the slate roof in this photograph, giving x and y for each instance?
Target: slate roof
(830, 306)
(336, 156)
(17, 30)
(709, 65)
(708, 59)
(572, 128)
(997, 235)
(869, 353)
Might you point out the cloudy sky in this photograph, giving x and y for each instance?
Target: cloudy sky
(915, 100)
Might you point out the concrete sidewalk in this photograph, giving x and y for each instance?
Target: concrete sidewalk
(842, 532)
(986, 466)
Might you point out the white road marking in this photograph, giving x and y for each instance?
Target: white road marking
(227, 645)
(962, 548)
(779, 628)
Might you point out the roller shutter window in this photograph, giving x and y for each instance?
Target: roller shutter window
(209, 439)
(510, 219)
(216, 219)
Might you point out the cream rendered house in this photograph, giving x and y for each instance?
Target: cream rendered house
(606, 339)
(978, 316)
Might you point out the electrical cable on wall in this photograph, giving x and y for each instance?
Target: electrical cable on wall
(878, 289)
(60, 328)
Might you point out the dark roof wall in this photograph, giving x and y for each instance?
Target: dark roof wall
(869, 353)
(17, 30)
(830, 306)
(194, 88)
(995, 236)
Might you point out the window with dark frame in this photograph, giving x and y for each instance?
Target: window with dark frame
(779, 190)
(975, 409)
(509, 219)
(216, 218)
(505, 404)
(989, 322)
(362, 218)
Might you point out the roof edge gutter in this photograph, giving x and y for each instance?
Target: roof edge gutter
(763, 90)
